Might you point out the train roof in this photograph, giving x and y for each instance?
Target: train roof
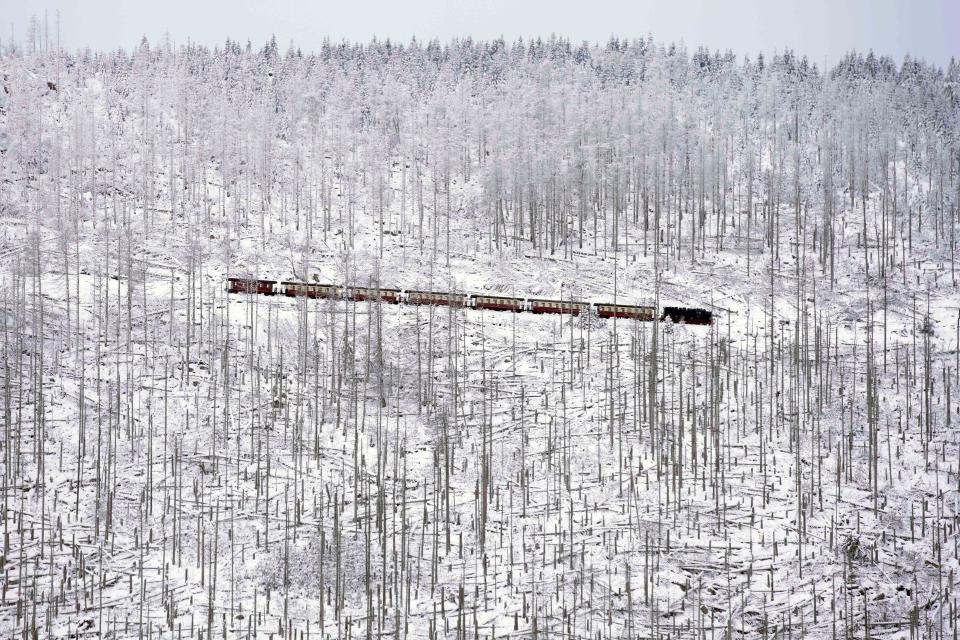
(372, 288)
(580, 302)
(435, 293)
(628, 306)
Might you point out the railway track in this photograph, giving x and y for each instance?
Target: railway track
(684, 315)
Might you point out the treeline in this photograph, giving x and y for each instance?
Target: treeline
(540, 145)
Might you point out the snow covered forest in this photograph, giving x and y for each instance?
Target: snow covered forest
(178, 462)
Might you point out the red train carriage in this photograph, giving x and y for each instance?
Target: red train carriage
(538, 305)
(234, 285)
(687, 316)
(248, 285)
(431, 297)
(497, 303)
(365, 293)
(625, 311)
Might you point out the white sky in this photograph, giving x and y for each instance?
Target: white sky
(820, 29)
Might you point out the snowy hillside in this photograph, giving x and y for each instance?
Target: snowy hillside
(179, 462)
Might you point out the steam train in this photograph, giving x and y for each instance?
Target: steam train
(440, 298)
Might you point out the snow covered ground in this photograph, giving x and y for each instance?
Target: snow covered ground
(178, 462)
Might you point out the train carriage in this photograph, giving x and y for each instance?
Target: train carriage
(391, 296)
(236, 285)
(292, 289)
(497, 303)
(539, 305)
(436, 298)
(625, 311)
(324, 291)
(372, 294)
(251, 285)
